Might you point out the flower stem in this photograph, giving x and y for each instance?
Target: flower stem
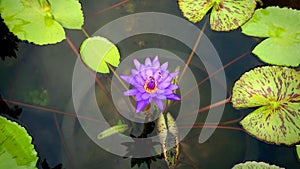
(110, 7)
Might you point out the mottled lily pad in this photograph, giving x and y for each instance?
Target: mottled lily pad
(254, 164)
(16, 150)
(41, 21)
(281, 27)
(97, 51)
(226, 15)
(168, 133)
(276, 92)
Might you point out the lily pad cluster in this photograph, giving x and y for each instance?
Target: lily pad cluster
(225, 15)
(275, 91)
(16, 150)
(41, 21)
(281, 27)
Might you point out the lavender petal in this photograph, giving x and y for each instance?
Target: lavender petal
(140, 105)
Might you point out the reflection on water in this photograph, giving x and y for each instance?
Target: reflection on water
(51, 68)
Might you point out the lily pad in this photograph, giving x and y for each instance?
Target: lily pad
(254, 164)
(120, 128)
(16, 150)
(276, 91)
(41, 21)
(168, 134)
(281, 27)
(226, 15)
(97, 51)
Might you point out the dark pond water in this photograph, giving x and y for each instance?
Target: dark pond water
(60, 138)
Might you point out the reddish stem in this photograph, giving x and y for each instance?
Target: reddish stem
(51, 110)
(212, 126)
(111, 7)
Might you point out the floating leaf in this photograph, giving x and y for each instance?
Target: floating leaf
(96, 51)
(254, 164)
(41, 21)
(282, 27)
(226, 15)
(277, 90)
(16, 150)
(113, 130)
(298, 151)
(168, 134)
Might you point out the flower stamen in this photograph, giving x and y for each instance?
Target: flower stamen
(150, 85)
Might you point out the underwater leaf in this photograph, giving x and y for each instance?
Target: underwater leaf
(195, 10)
(298, 151)
(168, 134)
(277, 90)
(39, 21)
(96, 51)
(282, 27)
(254, 164)
(16, 150)
(228, 15)
(113, 130)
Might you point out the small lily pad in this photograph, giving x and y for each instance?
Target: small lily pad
(41, 21)
(97, 51)
(16, 150)
(281, 27)
(120, 128)
(276, 91)
(254, 164)
(226, 15)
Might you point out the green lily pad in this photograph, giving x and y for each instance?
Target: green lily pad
(168, 134)
(120, 128)
(276, 91)
(254, 164)
(281, 27)
(41, 21)
(226, 15)
(97, 51)
(16, 150)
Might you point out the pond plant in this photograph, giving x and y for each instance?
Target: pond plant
(273, 90)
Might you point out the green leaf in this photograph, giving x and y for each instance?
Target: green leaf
(113, 130)
(16, 150)
(195, 10)
(298, 151)
(226, 15)
(281, 26)
(97, 51)
(277, 90)
(230, 14)
(256, 165)
(168, 134)
(40, 21)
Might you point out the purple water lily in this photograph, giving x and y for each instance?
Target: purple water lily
(151, 81)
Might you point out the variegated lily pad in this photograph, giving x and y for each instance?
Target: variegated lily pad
(226, 15)
(276, 91)
(168, 133)
(282, 27)
(254, 164)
